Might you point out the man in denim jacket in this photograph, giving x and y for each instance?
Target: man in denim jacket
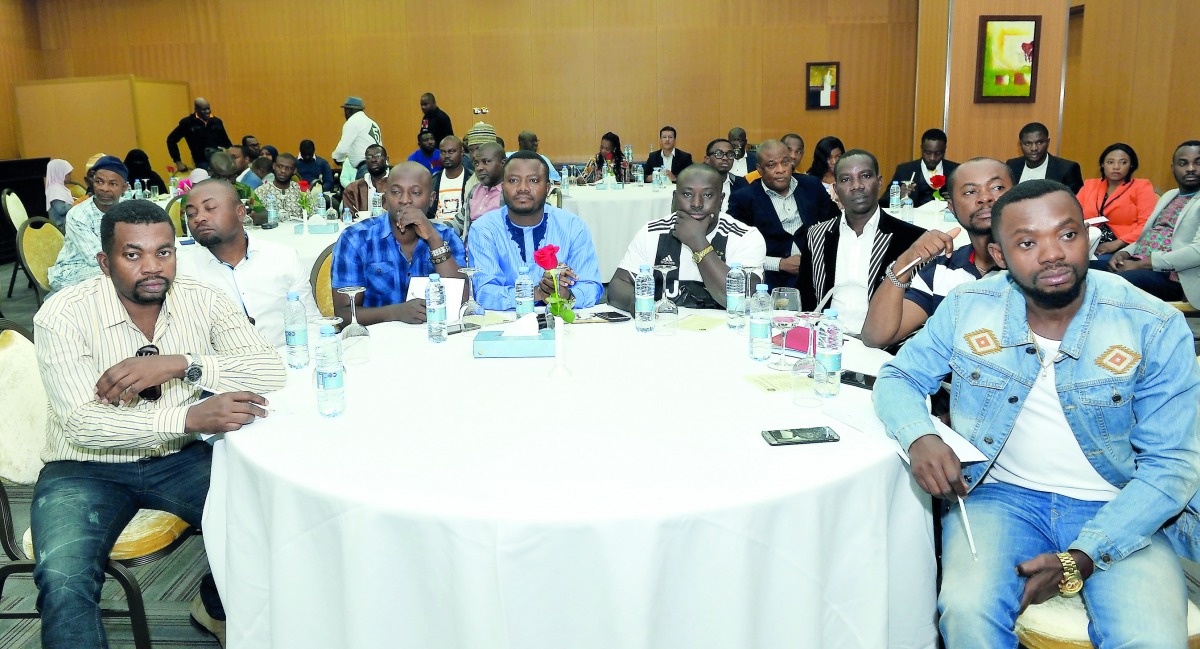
(1082, 393)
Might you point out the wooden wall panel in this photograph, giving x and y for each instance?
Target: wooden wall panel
(156, 108)
(933, 33)
(20, 60)
(74, 119)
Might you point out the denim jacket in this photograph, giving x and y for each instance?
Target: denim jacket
(1127, 379)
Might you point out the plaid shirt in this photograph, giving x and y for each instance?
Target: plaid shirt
(367, 254)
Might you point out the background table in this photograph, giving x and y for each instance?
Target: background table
(614, 215)
(933, 216)
(456, 511)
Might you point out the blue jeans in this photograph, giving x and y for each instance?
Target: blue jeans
(1141, 601)
(79, 510)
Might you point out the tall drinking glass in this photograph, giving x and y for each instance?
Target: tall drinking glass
(472, 313)
(666, 314)
(356, 340)
(784, 317)
(750, 272)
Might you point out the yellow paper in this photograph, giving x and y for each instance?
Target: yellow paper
(772, 383)
(697, 322)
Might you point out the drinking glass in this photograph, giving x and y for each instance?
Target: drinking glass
(472, 313)
(784, 316)
(805, 362)
(154, 192)
(666, 314)
(750, 272)
(804, 393)
(356, 340)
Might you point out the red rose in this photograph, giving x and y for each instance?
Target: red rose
(937, 182)
(547, 257)
(304, 185)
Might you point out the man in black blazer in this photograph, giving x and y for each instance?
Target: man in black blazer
(746, 161)
(672, 160)
(719, 155)
(1035, 146)
(931, 164)
(866, 240)
(779, 205)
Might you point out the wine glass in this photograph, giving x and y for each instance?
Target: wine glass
(807, 320)
(784, 317)
(356, 340)
(666, 314)
(472, 313)
(750, 272)
(314, 332)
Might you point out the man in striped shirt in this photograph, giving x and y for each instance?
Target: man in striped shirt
(125, 358)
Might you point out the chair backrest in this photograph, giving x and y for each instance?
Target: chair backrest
(9, 325)
(23, 402)
(77, 191)
(321, 280)
(39, 242)
(175, 211)
(14, 208)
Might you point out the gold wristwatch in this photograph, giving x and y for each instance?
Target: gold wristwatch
(1072, 581)
(699, 256)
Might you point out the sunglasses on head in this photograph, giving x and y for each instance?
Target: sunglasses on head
(152, 393)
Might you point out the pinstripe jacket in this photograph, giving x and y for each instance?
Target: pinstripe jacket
(818, 254)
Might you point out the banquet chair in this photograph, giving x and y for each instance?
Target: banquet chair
(77, 191)
(175, 211)
(1186, 308)
(38, 243)
(9, 325)
(14, 210)
(1062, 623)
(321, 281)
(149, 536)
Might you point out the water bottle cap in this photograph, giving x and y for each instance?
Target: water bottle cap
(895, 182)
(736, 264)
(831, 313)
(761, 288)
(645, 268)
(434, 277)
(524, 269)
(328, 330)
(293, 295)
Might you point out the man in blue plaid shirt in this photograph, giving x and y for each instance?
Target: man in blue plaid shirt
(382, 253)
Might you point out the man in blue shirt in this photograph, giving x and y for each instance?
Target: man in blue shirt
(382, 253)
(312, 167)
(1081, 393)
(503, 240)
(427, 153)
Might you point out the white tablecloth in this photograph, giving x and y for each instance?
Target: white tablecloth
(933, 216)
(308, 244)
(454, 510)
(614, 216)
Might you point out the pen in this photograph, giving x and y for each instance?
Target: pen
(962, 507)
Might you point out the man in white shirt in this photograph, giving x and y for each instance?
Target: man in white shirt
(256, 274)
(745, 161)
(846, 257)
(719, 155)
(452, 183)
(698, 239)
(358, 133)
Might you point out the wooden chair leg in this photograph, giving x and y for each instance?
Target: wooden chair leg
(137, 608)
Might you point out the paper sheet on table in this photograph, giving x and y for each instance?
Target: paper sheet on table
(772, 383)
(1096, 220)
(865, 420)
(278, 405)
(697, 322)
(454, 291)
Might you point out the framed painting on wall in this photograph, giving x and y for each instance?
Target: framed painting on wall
(822, 91)
(1007, 63)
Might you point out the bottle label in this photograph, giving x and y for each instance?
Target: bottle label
(524, 306)
(832, 362)
(644, 304)
(735, 302)
(760, 328)
(436, 314)
(295, 336)
(330, 380)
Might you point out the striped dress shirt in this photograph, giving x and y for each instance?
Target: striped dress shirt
(84, 329)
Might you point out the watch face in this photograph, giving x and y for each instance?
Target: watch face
(193, 373)
(1072, 585)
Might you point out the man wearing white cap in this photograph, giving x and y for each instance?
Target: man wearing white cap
(358, 133)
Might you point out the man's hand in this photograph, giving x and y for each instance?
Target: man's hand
(122, 382)
(929, 245)
(411, 217)
(545, 288)
(1044, 572)
(412, 311)
(690, 231)
(936, 468)
(790, 265)
(225, 412)
(670, 176)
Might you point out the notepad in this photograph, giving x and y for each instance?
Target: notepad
(454, 291)
(697, 322)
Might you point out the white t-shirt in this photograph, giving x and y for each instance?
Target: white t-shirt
(1042, 453)
(739, 167)
(450, 195)
(259, 283)
(1036, 173)
(744, 244)
(850, 294)
(358, 133)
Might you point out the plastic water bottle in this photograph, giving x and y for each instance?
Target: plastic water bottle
(435, 309)
(566, 181)
(137, 188)
(295, 331)
(643, 299)
(331, 374)
(760, 308)
(735, 297)
(894, 198)
(174, 185)
(906, 210)
(639, 175)
(524, 290)
(827, 373)
(347, 217)
(272, 212)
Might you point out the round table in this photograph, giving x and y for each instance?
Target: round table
(463, 502)
(614, 215)
(308, 244)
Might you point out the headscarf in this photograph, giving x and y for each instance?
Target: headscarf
(56, 188)
(138, 164)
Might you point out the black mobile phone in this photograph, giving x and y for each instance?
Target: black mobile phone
(611, 316)
(787, 436)
(858, 380)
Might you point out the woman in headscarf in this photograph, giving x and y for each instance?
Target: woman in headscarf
(139, 167)
(58, 196)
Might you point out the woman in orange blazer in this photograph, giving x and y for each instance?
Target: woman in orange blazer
(1125, 201)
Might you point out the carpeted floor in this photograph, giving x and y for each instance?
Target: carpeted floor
(168, 586)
